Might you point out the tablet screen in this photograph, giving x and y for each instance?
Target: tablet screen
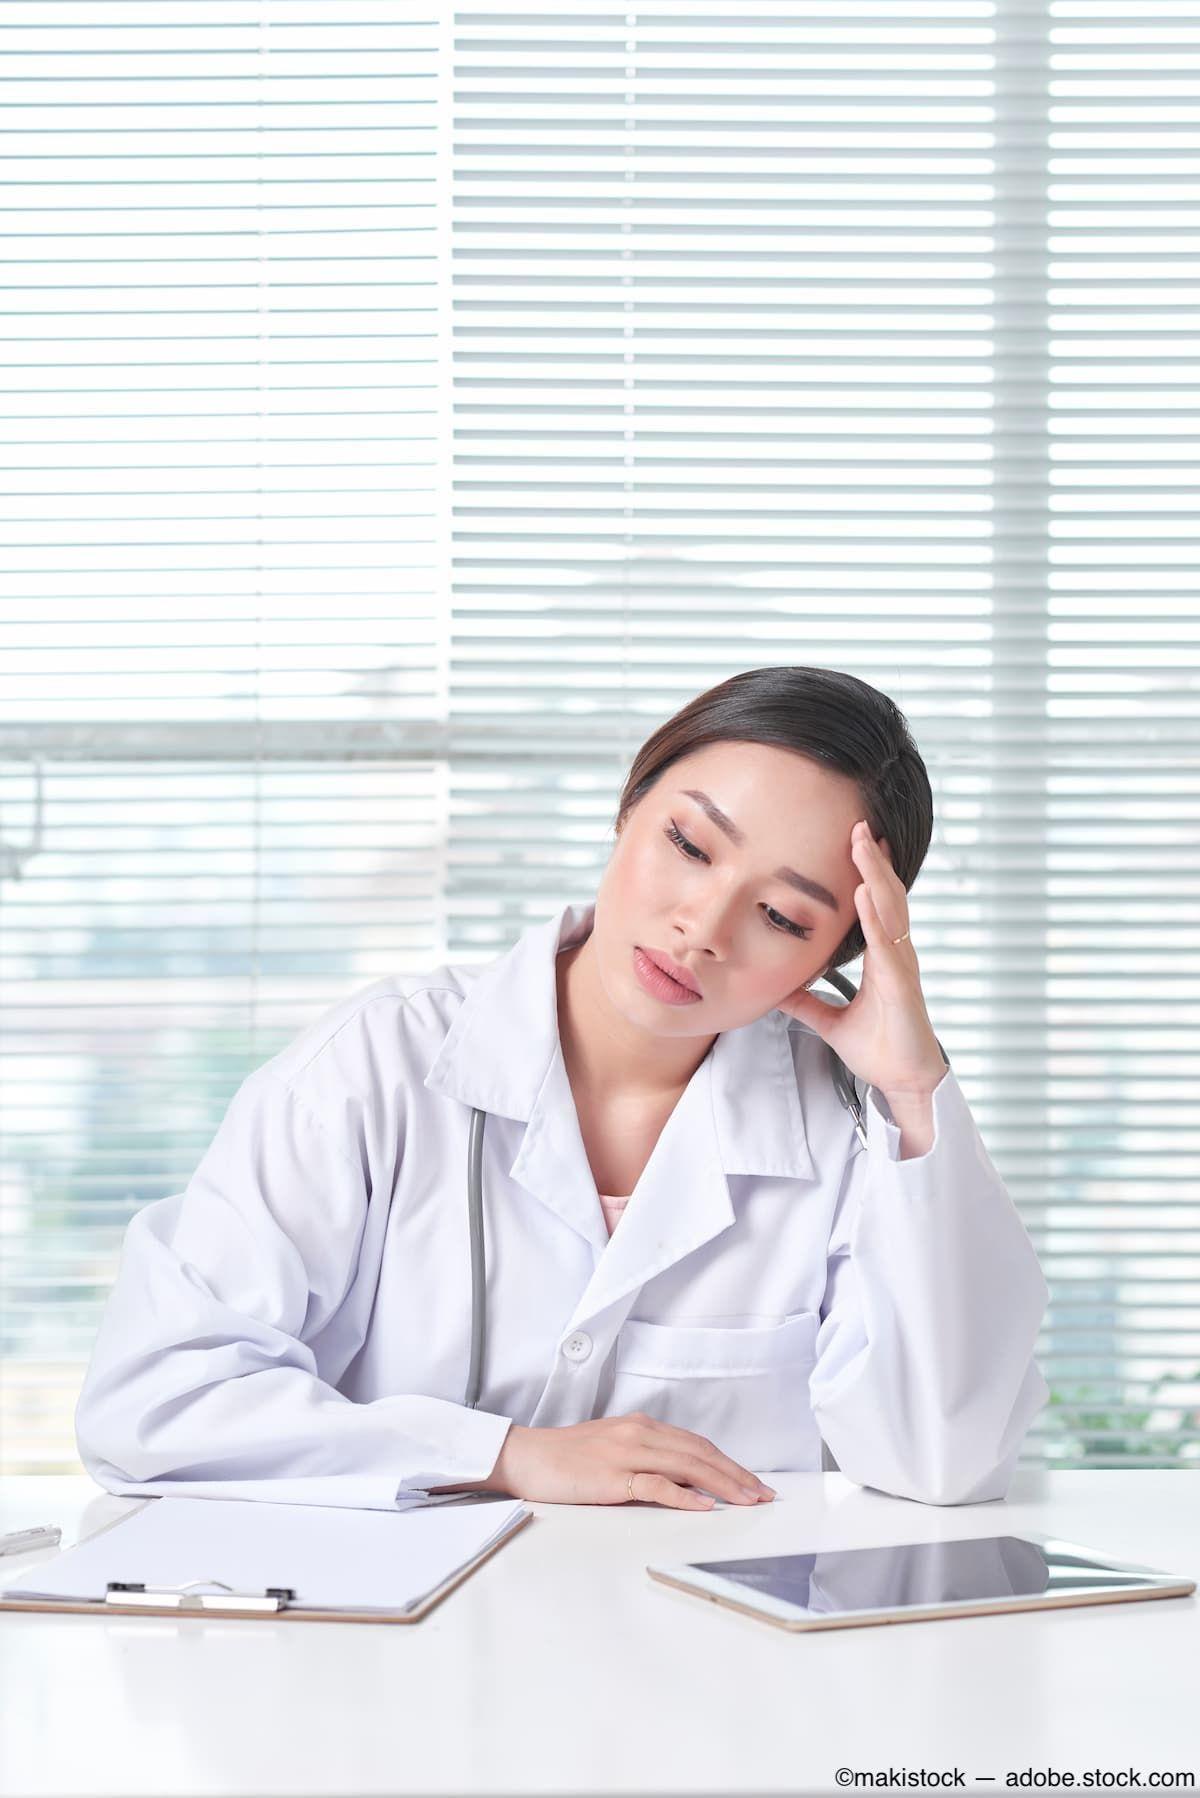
(924, 1573)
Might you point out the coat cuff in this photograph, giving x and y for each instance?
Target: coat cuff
(340, 1491)
(884, 1134)
(468, 1454)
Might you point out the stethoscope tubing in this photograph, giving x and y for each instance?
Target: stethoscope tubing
(478, 1274)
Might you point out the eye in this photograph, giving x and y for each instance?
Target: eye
(690, 853)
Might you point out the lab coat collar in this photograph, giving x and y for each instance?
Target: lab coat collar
(739, 1114)
(502, 1053)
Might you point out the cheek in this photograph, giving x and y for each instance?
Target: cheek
(633, 867)
(754, 994)
(623, 897)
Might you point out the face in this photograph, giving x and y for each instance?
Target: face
(678, 885)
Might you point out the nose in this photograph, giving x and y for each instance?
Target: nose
(704, 927)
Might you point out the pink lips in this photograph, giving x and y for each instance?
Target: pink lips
(656, 974)
(673, 968)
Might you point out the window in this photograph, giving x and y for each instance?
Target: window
(405, 415)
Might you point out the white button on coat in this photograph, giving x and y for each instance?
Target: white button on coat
(295, 1325)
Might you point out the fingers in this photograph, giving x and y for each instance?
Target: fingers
(868, 917)
(657, 1489)
(702, 1472)
(681, 1451)
(884, 888)
(868, 853)
(688, 1442)
(870, 859)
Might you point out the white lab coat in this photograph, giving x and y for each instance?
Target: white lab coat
(295, 1325)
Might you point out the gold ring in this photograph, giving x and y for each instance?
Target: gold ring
(629, 1489)
(900, 939)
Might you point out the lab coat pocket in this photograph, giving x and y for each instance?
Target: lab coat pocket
(746, 1389)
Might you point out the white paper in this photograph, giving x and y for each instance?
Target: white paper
(332, 1558)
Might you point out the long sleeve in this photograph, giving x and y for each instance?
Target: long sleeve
(924, 1381)
(204, 1379)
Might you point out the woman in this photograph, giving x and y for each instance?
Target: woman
(695, 1270)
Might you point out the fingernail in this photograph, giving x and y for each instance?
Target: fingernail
(751, 1492)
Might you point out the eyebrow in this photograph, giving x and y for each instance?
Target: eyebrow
(812, 888)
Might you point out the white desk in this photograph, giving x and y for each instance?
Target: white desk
(560, 1667)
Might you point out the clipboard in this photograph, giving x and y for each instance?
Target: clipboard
(132, 1599)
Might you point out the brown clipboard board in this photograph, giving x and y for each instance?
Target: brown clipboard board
(228, 1610)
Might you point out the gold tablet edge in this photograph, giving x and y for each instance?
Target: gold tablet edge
(922, 1614)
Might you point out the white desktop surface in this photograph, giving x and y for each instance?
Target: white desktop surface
(561, 1667)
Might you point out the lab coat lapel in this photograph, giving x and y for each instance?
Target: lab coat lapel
(740, 1114)
(502, 1053)
(681, 1202)
(552, 1161)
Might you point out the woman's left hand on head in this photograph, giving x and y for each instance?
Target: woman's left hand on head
(883, 1035)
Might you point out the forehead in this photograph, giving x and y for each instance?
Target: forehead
(777, 808)
(757, 784)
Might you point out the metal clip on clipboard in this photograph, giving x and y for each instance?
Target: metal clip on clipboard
(128, 1593)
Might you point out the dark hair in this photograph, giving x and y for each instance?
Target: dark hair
(834, 719)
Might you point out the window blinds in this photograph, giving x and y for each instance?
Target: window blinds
(408, 413)
(224, 633)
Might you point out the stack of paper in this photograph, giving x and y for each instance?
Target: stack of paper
(333, 1559)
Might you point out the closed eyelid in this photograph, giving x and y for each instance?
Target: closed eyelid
(802, 883)
(694, 845)
(801, 928)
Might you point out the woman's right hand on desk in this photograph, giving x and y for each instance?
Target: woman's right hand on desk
(591, 1463)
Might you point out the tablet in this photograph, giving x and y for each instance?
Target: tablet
(841, 1588)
